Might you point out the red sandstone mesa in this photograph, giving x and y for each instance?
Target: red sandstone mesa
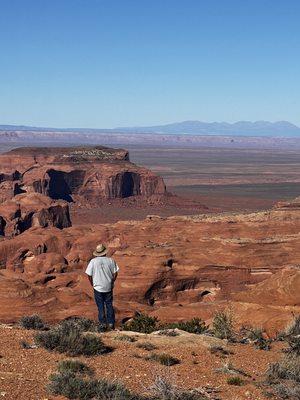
(86, 174)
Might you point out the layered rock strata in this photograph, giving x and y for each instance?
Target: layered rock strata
(83, 174)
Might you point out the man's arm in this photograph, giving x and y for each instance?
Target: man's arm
(115, 276)
(89, 272)
(90, 280)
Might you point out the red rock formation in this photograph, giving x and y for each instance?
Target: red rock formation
(176, 268)
(85, 174)
(25, 211)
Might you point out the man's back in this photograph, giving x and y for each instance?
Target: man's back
(102, 270)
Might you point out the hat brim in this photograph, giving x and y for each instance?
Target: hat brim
(101, 253)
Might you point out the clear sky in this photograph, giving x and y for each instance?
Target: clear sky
(94, 63)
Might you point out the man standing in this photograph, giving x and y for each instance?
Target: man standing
(102, 272)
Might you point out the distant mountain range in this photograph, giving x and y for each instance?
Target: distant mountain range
(241, 128)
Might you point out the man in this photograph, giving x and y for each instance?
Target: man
(102, 272)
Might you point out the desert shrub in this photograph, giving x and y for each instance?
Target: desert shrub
(228, 368)
(74, 367)
(142, 323)
(163, 389)
(287, 368)
(256, 335)
(294, 328)
(74, 386)
(195, 325)
(235, 380)
(283, 377)
(286, 391)
(81, 323)
(164, 359)
(126, 338)
(294, 345)
(34, 322)
(146, 346)
(70, 340)
(222, 325)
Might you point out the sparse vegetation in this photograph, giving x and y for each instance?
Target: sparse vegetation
(223, 325)
(69, 339)
(163, 389)
(146, 346)
(80, 323)
(142, 323)
(235, 380)
(33, 322)
(228, 368)
(195, 325)
(284, 376)
(74, 380)
(126, 338)
(294, 328)
(256, 335)
(164, 359)
(74, 386)
(74, 367)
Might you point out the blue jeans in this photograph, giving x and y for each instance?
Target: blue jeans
(106, 313)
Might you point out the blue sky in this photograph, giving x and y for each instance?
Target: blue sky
(93, 63)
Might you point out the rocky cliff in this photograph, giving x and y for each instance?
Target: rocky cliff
(83, 174)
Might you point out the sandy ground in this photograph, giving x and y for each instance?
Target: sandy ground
(24, 373)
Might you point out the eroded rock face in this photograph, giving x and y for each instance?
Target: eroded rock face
(26, 211)
(176, 268)
(75, 174)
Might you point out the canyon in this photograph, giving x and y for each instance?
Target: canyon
(175, 267)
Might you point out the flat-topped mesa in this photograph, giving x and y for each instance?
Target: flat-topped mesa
(76, 154)
(86, 174)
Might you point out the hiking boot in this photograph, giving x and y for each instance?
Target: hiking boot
(111, 327)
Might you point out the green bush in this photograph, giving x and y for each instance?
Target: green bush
(235, 380)
(34, 322)
(74, 386)
(195, 325)
(70, 340)
(283, 377)
(294, 345)
(257, 336)
(80, 323)
(288, 368)
(223, 325)
(74, 367)
(164, 359)
(142, 323)
(74, 381)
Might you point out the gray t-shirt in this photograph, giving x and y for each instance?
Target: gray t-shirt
(102, 269)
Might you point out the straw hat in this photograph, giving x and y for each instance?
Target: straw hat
(100, 250)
